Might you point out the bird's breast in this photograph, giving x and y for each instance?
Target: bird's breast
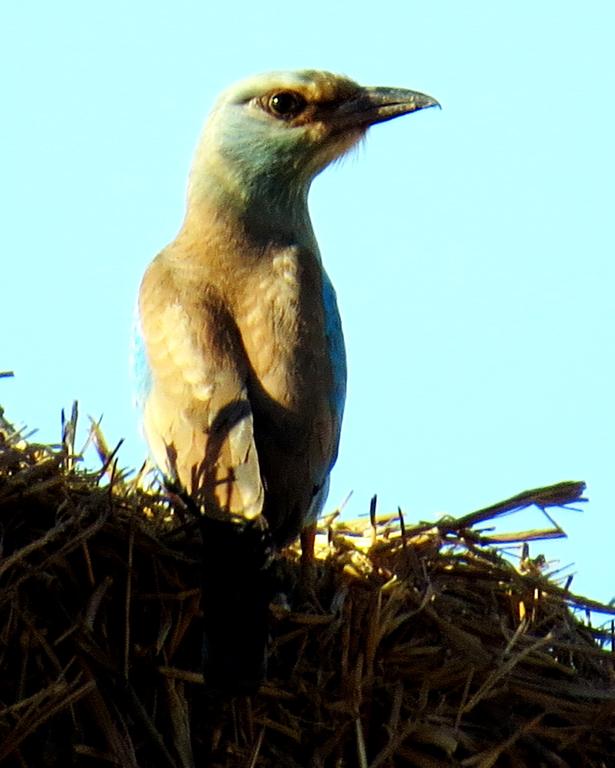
(281, 320)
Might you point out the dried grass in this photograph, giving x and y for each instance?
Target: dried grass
(407, 646)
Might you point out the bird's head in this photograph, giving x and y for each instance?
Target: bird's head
(271, 134)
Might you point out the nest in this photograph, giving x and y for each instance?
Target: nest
(404, 645)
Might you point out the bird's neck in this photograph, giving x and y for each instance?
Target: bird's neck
(267, 207)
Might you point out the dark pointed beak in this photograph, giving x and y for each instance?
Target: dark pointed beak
(375, 105)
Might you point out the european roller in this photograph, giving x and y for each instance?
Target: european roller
(244, 373)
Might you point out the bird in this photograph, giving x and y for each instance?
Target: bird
(240, 350)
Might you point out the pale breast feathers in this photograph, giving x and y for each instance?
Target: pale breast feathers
(197, 415)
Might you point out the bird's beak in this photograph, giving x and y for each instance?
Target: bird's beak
(375, 105)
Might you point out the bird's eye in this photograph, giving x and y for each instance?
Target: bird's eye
(285, 104)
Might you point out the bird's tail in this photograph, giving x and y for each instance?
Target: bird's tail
(237, 590)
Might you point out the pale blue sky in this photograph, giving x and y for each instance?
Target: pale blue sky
(471, 248)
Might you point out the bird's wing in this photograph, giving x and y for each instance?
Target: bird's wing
(337, 398)
(337, 356)
(298, 443)
(197, 416)
(140, 372)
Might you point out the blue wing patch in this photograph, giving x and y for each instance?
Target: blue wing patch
(337, 351)
(141, 373)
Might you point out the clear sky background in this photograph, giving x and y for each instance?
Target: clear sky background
(471, 248)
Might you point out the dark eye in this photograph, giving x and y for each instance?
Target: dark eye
(285, 104)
